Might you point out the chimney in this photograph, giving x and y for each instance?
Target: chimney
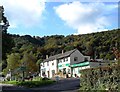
(46, 56)
(62, 51)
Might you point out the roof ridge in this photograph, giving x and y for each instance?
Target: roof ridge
(60, 55)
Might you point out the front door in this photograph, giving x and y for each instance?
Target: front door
(53, 73)
(48, 74)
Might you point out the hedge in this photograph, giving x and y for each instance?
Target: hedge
(30, 84)
(101, 78)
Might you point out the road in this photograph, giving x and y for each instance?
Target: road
(64, 85)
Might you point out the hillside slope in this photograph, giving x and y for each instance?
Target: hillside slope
(98, 44)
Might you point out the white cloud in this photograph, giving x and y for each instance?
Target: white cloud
(23, 12)
(85, 17)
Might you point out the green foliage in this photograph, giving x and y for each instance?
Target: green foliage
(35, 83)
(101, 78)
(17, 61)
(99, 43)
(37, 78)
(7, 41)
(13, 61)
(29, 62)
(30, 84)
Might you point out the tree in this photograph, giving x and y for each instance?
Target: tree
(29, 62)
(7, 41)
(117, 55)
(13, 62)
(39, 66)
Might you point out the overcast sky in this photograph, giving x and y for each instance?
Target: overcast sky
(40, 18)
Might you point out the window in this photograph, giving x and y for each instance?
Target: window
(75, 58)
(60, 70)
(53, 63)
(66, 59)
(43, 73)
(53, 73)
(64, 70)
(68, 71)
(43, 64)
(85, 59)
(59, 61)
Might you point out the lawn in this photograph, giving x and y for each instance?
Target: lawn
(34, 83)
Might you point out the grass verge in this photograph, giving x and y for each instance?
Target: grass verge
(30, 84)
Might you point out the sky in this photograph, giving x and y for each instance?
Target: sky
(58, 17)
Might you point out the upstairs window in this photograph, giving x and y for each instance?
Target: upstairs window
(52, 63)
(75, 58)
(60, 61)
(43, 64)
(66, 59)
(85, 59)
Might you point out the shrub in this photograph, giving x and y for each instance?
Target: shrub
(101, 78)
(37, 78)
(35, 83)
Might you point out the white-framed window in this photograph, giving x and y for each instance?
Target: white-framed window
(59, 61)
(85, 59)
(66, 59)
(52, 63)
(75, 58)
(68, 71)
(64, 70)
(43, 64)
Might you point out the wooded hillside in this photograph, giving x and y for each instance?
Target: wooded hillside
(98, 44)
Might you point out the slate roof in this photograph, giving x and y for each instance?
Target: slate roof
(58, 56)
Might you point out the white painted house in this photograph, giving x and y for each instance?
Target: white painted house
(69, 62)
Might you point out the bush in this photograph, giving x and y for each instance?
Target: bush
(35, 83)
(101, 78)
(37, 78)
(45, 78)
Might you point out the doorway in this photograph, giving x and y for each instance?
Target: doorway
(53, 73)
(48, 74)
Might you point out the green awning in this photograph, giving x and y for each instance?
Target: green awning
(80, 64)
(63, 65)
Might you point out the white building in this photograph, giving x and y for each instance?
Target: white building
(68, 63)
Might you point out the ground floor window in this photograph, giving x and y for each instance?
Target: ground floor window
(64, 70)
(43, 73)
(60, 70)
(68, 71)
